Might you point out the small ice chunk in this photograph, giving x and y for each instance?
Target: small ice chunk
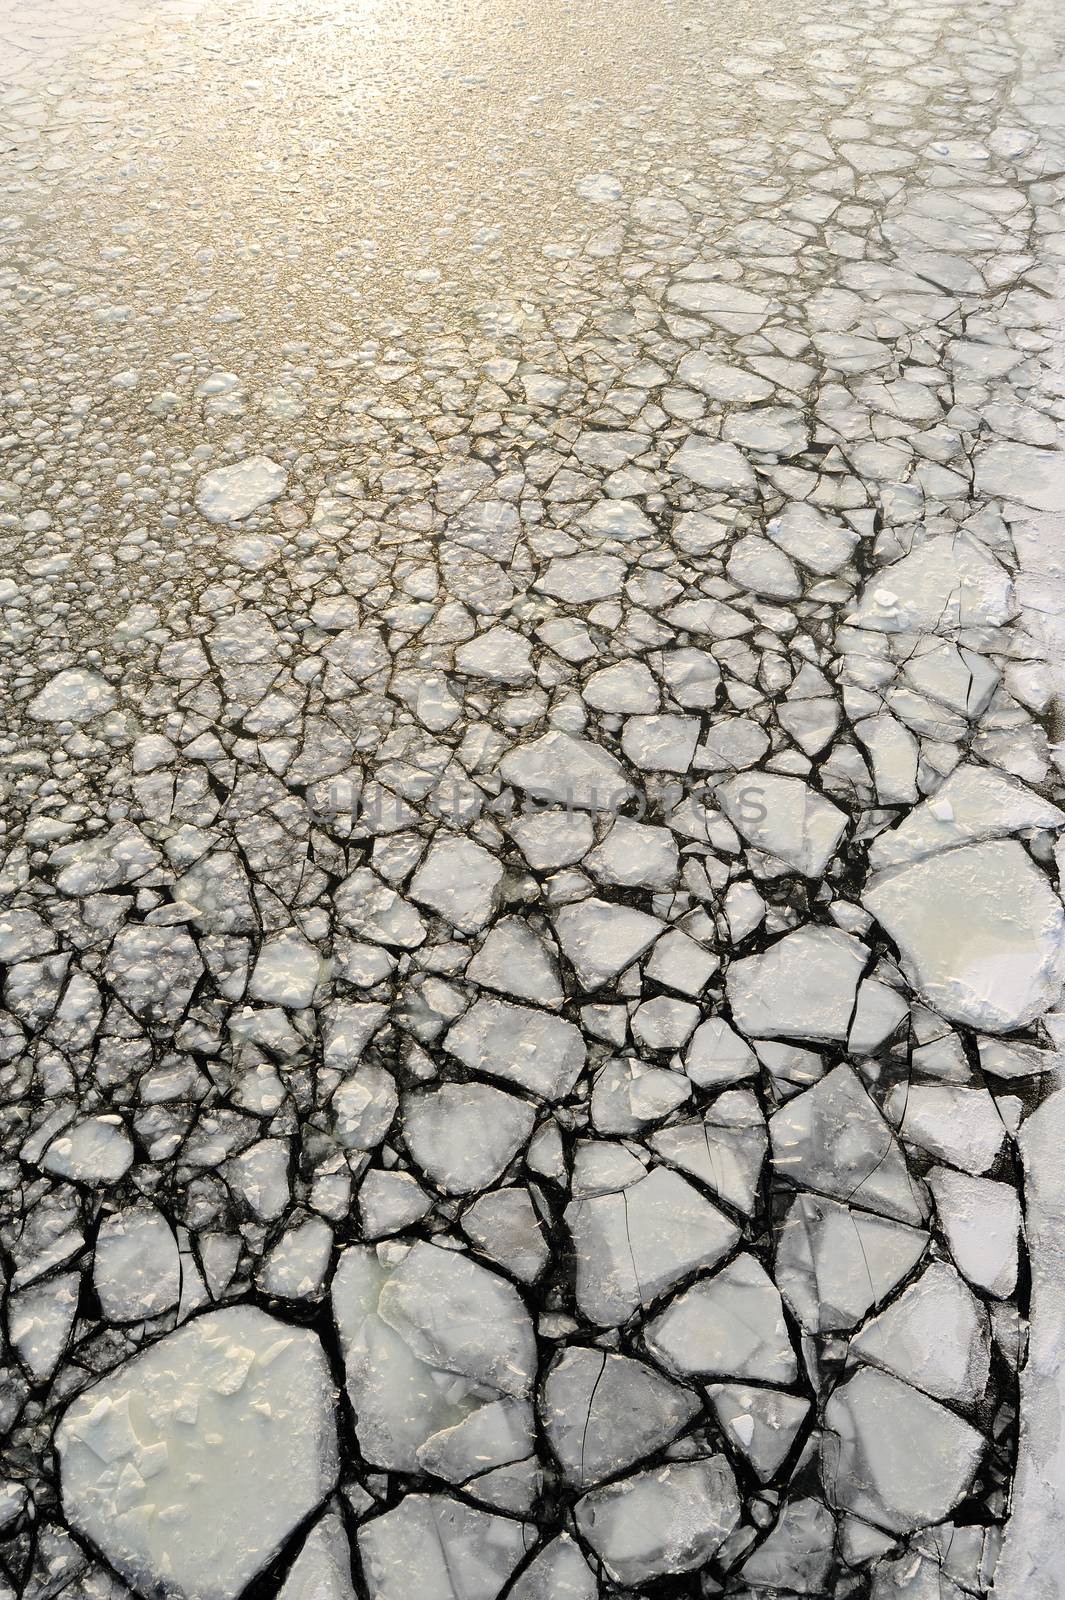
(260, 1176)
(364, 1105)
(322, 1570)
(894, 1456)
(725, 1150)
(669, 1519)
(571, 771)
(935, 1336)
(680, 962)
(390, 1202)
(420, 1546)
(833, 1263)
(600, 939)
(287, 972)
(712, 465)
(154, 970)
(762, 1423)
(718, 1055)
(559, 1572)
(635, 856)
(802, 987)
(799, 1552)
(757, 565)
(136, 1265)
(664, 743)
(460, 880)
(618, 519)
(23, 935)
(878, 1012)
(693, 678)
(894, 753)
(229, 494)
(603, 1412)
(810, 536)
(833, 1138)
(350, 1028)
(76, 695)
(1011, 1059)
(375, 911)
(665, 1023)
(579, 580)
(550, 839)
(625, 687)
(427, 1341)
(515, 961)
(785, 817)
(501, 655)
(980, 930)
(728, 1326)
(540, 1053)
(504, 1226)
(719, 381)
(633, 1244)
(462, 1135)
(958, 1124)
(729, 306)
(981, 1221)
(97, 1150)
(295, 1268)
(39, 1321)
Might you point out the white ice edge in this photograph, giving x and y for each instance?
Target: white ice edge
(1032, 1563)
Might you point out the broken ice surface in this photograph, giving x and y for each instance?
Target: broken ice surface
(530, 924)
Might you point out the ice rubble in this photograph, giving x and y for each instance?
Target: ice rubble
(534, 851)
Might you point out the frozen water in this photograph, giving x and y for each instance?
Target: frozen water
(136, 1265)
(668, 1519)
(229, 494)
(727, 1326)
(75, 695)
(530, 920)
(980, 930)
(431, 1340)
(872, 1461)
(428, 1539)
(603, 1412)
(322, 1570)
(190, 1465)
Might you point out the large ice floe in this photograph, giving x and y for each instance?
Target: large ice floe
(191, 1465)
